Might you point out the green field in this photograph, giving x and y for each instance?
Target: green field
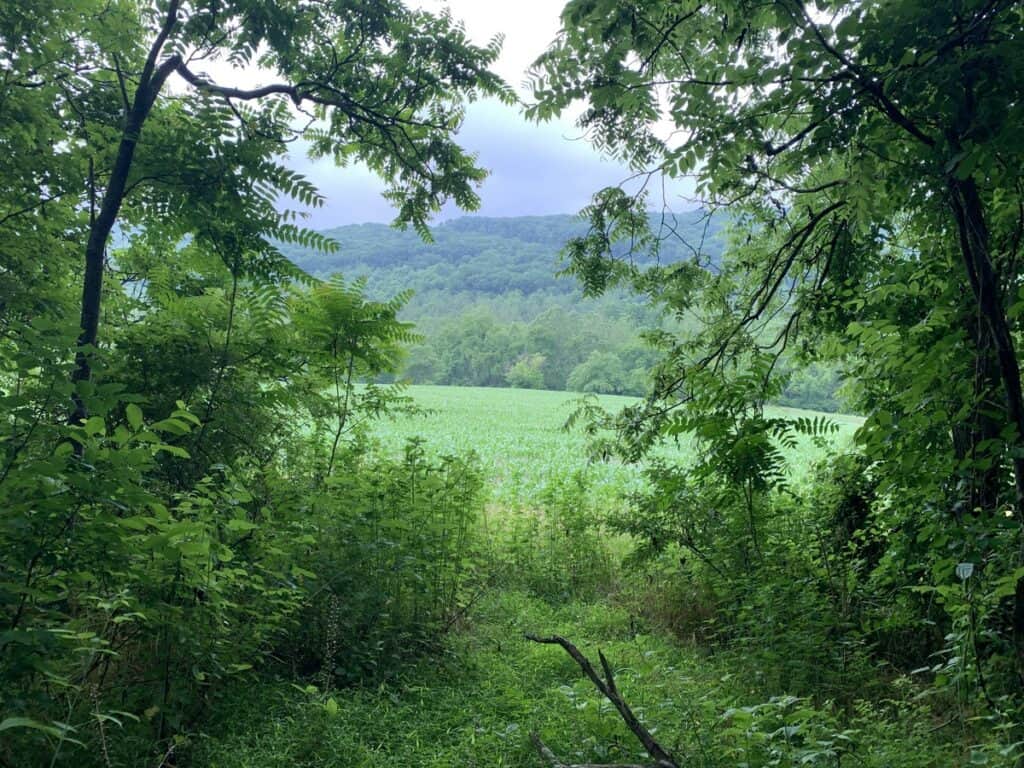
(519, 436)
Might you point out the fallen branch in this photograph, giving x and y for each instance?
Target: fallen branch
(610, 691)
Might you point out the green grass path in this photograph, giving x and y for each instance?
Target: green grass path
(475, 706)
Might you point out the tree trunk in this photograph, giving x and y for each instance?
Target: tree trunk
(150, 83)
(95, 256)
(973, 235)
(983, 424)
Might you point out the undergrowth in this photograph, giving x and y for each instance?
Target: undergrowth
(720, 681)
(477, 704)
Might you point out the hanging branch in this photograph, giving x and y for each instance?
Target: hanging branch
(610, 691)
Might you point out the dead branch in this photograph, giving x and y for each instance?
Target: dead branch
(610, 691)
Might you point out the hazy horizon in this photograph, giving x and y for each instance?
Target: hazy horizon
(458, 214)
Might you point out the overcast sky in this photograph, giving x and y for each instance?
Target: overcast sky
(535, 169)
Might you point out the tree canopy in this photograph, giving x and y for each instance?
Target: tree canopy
(153, 137)
(870, 154)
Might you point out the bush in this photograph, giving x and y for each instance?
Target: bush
(527, 373)
(161, 548)
(393, 551)
(559, 551)
(771, 578)
(126, 605)
(602, 372)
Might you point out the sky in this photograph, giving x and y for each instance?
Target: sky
(535, 169)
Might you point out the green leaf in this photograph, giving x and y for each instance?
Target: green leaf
(94, 426)
(133, 413)
(195, 548)
(27, 722)
(174, 450)
(171, 425)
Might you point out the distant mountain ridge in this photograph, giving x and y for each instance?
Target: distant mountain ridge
(493, 311)
(480, 256)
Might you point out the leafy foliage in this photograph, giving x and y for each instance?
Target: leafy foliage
(159, 543)
(696, 702)
(216, 511)
(393, 555)
(868, 158)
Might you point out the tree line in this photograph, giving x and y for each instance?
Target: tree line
(492, 310)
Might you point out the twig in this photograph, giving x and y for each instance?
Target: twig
(610, 691)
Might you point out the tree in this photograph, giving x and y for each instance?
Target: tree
(477, 349)
(372, 82)
(346, 339)
(562, 341)
(159, 543)
(871, 157)
(527, 372)
(601, 372)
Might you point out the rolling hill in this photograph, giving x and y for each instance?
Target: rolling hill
(474, 258)
(493, 310)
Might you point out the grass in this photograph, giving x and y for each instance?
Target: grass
(475, 707)
(475, 703)
(519, 436)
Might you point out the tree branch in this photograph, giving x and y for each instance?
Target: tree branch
(869, 83)
(158, 44)
(228, 92)
(610, 691)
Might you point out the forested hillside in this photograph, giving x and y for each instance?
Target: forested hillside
(475, 258)
(488, 297)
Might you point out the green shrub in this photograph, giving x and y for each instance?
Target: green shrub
(124, 606)
(394, 550)
(527, 372)
(559, 550)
